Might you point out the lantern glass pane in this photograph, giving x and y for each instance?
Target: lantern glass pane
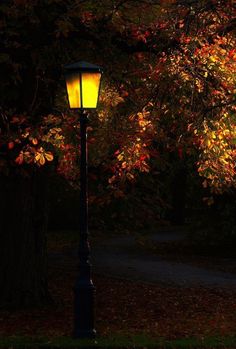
(90, 89)
(73, 90)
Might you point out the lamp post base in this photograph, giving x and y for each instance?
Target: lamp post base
(84, 309)
(85, 334)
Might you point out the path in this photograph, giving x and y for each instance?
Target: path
(116, 256)
(121, 257)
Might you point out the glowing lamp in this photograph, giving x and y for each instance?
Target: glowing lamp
(83, 84)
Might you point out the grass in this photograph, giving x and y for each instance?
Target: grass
(129, 342)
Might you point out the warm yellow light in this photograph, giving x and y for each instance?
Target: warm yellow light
(73, 90)
(90, 82)
(90, 89)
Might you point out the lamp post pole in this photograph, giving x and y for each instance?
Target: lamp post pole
(83, 85)
(84, 289)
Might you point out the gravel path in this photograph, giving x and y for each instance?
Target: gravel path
(117, 257)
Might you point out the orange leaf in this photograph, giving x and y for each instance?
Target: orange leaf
(20, 159)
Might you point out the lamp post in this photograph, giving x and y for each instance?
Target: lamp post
(83, 85)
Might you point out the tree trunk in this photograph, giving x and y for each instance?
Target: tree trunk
(23, 224)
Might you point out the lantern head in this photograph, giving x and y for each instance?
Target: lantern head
(83, 84)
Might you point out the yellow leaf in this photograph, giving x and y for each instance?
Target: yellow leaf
(208, 143)
(39, 158)
(49, 156)
(42, 160)
(213, 135)
(223, 161)
(226, 132)
(120, 157)
(213, 59)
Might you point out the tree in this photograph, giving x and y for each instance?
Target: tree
(169, 94)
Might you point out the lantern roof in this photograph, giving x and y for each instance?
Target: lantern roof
(83, 66)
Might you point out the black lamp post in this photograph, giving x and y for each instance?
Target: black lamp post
(83, 85)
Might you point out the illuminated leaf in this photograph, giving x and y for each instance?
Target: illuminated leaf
(20, 159)
(48, 156)
(39, 157)
(34, 141)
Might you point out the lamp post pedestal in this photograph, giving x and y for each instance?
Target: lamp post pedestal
(84, 289)
(84, 310)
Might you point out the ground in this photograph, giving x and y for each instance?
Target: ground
(130, 305)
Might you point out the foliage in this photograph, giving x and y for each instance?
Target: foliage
(172, 91)
(218, 155)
